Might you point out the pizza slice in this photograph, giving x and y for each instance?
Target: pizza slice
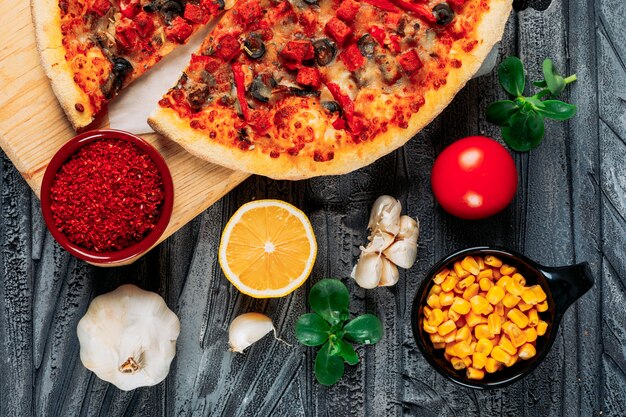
(295, 89)
(90, 49)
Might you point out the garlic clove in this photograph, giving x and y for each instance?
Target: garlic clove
(403, 253)
(247, 329)
(368, 270)
(379, 241)
(390, 274)
(385, 215)
(409, 229)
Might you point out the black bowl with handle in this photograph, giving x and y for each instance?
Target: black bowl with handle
(562, 285)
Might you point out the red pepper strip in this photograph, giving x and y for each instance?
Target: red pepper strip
(241, 90)
(419, 9)
(347, 105)
(383, 4)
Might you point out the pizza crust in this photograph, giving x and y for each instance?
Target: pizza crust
(167, 122)
(47, 20)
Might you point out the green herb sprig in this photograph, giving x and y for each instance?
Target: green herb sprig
(329, 299)
(522, 118)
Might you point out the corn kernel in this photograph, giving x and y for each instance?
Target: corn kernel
(466, 282)
(471, 291)
(436, 338)
(441, 276)
(529, 296)
(439, 345)
(517, 277)
(531, 334)
(467, 361)
(485, 284)
(433, 301)
(473, 373)
(463, 333)
(493, 261)
(514, 287)
(426, 311)
(481, 262)
(500, 355)
(435, 289)
(446, 298)
(500, 309)
(478, 360)
(462, 349)
(454, 316)
(474, 319)
(446, 356)
(504, 281)
(460, 272)
(506, 345)
(540, 293)
(436, 317)
(510, 300)
(481, 331)
(507, 269)
(483, 346)
(527, 351)
(446, 327)
(533, 318)
(496, 274)
(542, 326)
(522, 306)
(469, 264)
(488, 310)
(495, 295)
(485, 273)
(461, 306)
(428, 328)
(457, 290)
(461, 322)
(512, 361)
(450, 337)
(541, 307)
(449, 350)
(495, 340)
(457, 363)
(449, 283)
(518, 318)
(479, 304)
(491, 365)
(494, 323)
(516, 335)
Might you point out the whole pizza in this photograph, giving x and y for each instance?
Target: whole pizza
(286, 89)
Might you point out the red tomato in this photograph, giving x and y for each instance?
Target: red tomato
(474, 178)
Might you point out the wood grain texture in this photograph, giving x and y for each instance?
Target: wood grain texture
(571, 207)
(33, 126)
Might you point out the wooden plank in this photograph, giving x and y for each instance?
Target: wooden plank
(33, 126)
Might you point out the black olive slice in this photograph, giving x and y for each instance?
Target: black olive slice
(170, 10)
(261, 89)
(311, 2)
(253, 46)
(367, 45)
(331, 106)
(325, 51)
(443, 13)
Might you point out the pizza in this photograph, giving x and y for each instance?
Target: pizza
(301, 88)
(90, 49)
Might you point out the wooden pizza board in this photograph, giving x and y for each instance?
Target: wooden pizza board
(33, 126)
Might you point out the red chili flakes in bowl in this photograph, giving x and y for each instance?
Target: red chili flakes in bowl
(107, 196)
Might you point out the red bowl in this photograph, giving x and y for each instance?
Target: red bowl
(136, 249)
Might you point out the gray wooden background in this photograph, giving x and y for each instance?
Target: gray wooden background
(570, 207)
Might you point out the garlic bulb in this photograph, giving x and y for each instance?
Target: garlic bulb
(128, 337)
(392, 244)
(248, 328)
(368, 270)
(385, 215)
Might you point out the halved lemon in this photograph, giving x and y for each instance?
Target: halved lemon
(267, 249)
